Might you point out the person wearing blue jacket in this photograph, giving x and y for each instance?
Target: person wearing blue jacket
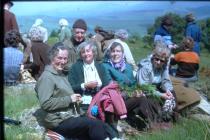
(194, 31)
(162, 33)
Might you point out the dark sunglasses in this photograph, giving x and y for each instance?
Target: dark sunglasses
(158, 59)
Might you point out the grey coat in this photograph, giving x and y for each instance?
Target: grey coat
(146, 73)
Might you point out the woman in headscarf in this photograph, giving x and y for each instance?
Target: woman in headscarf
(137, 104)
(65, 32)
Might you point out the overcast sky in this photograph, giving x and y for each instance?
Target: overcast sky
(47, 8)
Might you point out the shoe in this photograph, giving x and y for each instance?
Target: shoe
(166, 125)
(160, 126)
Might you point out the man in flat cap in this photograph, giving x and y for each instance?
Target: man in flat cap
(194, 31)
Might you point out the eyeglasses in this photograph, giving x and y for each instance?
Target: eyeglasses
(158, 59)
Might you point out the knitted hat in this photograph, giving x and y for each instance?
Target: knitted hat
(36, 34)
(190, 17)
(80, 23)
(167, 20)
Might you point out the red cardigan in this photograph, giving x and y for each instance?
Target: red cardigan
(108, 99)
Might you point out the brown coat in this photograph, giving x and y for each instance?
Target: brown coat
(10, 22)
(185, 96)
(40, 57)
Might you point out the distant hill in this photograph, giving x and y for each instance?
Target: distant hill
(135, 21)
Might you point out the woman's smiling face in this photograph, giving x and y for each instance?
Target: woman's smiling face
(116, 54)
(87, 54)
(60, 60)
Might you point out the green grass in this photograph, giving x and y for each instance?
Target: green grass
(187, 129)
(20, 133)
(18, 99)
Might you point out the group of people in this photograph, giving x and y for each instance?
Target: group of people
(79, 80)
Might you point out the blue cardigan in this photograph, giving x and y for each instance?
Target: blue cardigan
(123, 78)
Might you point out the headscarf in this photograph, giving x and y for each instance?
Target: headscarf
(120, 65)
(38, 22)
(121, 33)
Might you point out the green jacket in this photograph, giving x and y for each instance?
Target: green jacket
(76, 75)
(54, 95)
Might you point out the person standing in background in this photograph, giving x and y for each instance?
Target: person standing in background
(39, 24)
(194, 31)
(39, 51)
(65, 32)
(162, 34)
(10, 22)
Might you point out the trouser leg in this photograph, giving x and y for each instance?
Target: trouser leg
(82, 128)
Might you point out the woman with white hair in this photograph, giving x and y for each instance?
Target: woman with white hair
(153, 70)
(39, 24)
(87, 76)
(65, 33)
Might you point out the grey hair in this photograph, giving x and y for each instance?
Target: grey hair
(121, 33)
(90, 43)
(53, 51)
(161, 49)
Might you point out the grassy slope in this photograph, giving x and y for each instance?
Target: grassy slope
(16, 100)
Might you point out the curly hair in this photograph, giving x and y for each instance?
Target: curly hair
(12, 38)
(187, 43)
